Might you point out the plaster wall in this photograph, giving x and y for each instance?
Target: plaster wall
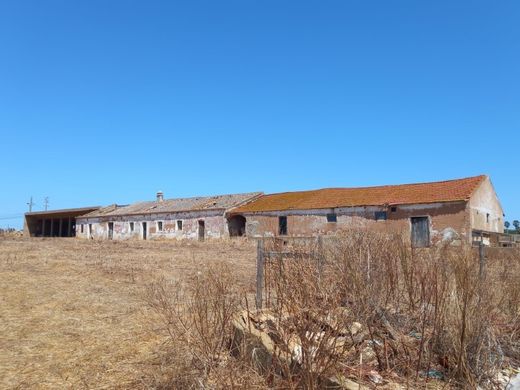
(486, 213)
(215, 226)
(444, 218)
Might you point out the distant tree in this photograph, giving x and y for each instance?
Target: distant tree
(516, 224)
(507, 224)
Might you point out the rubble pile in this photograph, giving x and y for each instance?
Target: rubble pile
(363, 356)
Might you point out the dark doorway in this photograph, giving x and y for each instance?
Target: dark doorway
(237, 226)
(202, 228)
(110, 230)
(144, 230)
(420, 232)
(282, 226)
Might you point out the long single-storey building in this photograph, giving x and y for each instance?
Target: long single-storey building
(466, 208)
(199, 218)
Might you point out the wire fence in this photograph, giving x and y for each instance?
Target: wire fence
(275, 253)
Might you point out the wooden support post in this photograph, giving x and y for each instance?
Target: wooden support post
(260, 260)
(60, 233)
(52, 228)
(368, 263)
(43, 227)
(69, 232)
(482, 260)
(321, 255)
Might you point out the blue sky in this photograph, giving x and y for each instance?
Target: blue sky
(110, 101)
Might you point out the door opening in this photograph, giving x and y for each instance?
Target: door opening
(202, 229)
(110, 230)
(282, 226)
(420, 232)
(237, 226)
(144, 230)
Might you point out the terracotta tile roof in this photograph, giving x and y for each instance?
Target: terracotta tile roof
(201, 203)
(436, 192)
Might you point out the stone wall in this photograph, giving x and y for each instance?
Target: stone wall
(174, 226)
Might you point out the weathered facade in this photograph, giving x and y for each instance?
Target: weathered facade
(190, 218)
(456, 209)
(463, 210)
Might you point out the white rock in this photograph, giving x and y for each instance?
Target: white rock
(368, 354)
(355, 327)
(514, 384)
(375, 377)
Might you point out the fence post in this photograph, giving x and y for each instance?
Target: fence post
(259, 272)
(368, 263)
(482, 259)
(321, 255)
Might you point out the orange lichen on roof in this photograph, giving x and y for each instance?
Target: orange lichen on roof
(419, 193)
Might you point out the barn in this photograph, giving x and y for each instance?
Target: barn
(195, 218)
(465, 209)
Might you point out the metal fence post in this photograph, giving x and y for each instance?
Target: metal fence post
(259, 272)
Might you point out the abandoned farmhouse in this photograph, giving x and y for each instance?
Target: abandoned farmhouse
(464, 209)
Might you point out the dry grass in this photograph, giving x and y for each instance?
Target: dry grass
(73, 314)
(80, 314)
(419, 310)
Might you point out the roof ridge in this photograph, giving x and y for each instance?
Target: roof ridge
(213, 196)
(452, 190)
(379, 186)
(173, 205)
(193, 197)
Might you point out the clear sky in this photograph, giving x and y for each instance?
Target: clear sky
(106, 101)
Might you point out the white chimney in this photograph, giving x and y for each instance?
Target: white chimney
(160, 196)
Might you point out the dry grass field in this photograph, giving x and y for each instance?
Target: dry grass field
(73, 313)
(161, 315)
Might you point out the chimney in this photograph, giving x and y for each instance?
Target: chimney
(160, 196)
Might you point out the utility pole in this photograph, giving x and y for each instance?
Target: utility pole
(46, 202)
(30, 204)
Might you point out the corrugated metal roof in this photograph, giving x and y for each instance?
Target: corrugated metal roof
(217, 202)
(79, 210)
(418, 193)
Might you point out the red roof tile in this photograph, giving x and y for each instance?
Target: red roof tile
(419, 193)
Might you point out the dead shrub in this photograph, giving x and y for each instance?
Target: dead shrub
(423, 311)
(362, 305)
(197, 314)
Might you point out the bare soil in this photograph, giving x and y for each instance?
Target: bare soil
(72, 312)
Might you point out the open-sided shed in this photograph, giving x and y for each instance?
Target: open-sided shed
(54, 223)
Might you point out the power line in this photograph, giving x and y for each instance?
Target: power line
(11, 217)
(16, 214)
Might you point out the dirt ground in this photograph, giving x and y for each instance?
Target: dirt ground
(73, 313)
